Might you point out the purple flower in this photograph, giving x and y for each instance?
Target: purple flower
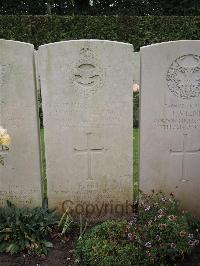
(148, 245)
(190, 236)
(161, 212)
(172, 245)
(148, 208)
(133, 221)
(191, 243)
(131, 237)
(158, 237)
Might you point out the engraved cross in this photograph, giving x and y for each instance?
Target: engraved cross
(183, 152)
(89, 150)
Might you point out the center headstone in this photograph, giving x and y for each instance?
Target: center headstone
(170, 121)
(87, 103)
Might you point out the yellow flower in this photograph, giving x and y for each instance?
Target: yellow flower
(5, 140)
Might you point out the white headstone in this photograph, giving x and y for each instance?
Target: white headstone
(20, 179)
(170, 121)
(87, 103)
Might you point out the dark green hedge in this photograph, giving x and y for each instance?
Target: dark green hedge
(139, 31)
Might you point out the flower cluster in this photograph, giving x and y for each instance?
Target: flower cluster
(158, 234)
(4, 137)
(4, 141)
(161, 228)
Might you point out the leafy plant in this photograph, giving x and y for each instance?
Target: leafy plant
(65, 223)
(158, 234)
(4, 142)
(25, 229)
(194, 224)
(83, 226)
(138, 30)
(1, 160)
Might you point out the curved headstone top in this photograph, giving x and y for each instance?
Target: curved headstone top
(15, 42)
(85, 41)
(170, 120)
(20, 177)
(87, 105)
(170, 43)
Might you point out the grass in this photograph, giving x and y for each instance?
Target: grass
(135, 161)
(44, 179)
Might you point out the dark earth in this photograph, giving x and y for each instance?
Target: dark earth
(63, 254)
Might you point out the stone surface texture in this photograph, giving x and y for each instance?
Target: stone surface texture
(20, 177)
(87, 103)
(170, 121)
(136, 68)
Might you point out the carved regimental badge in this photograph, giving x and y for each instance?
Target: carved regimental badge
(87, 75)
(183, 76)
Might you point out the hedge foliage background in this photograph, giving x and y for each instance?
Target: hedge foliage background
(139, 31)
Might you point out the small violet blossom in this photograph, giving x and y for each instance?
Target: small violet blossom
(172, 245)
(158, 237)
(148, 208)
(148, 245)
(190, 236)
